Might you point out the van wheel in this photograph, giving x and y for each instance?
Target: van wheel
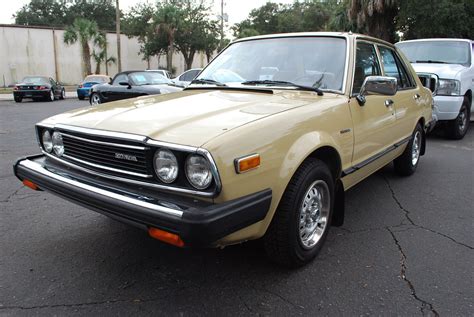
(457, 128)
(302, 220)
(405, 164)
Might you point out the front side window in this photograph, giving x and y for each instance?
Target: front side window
(366, 64)
(120, 78)
(310, 61)
(437, 52)
(393, 67)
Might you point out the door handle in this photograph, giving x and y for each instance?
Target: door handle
(389, 103)
(416, 96)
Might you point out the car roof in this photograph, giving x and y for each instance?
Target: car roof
(346, 35)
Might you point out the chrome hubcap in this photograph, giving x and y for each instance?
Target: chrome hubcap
(51, 95)
(95, 99)
(314, 213)
(416, 147)
(462, 121)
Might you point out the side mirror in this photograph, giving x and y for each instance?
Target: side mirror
(125, 83)
(377, 85)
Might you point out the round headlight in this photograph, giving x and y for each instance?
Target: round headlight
(47, 142)
(166, 166)
(198, 171)
(58, 145)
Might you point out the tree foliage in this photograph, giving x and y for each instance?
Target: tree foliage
(182, 25)
(61, 13)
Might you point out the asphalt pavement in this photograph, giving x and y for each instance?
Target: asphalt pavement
(406, 248)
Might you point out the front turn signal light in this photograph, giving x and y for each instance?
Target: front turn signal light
(165, 236)
(247, 163)
(30, 184)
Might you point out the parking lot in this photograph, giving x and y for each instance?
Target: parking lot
(406, 248)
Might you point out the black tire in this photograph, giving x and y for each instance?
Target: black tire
(405, 164)
(51, 97)
(18, 99)
(283, 242)
(95, 96)
(80, 97)
(456, 129)
(63, 94)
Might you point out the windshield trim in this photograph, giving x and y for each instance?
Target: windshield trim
(341, 91)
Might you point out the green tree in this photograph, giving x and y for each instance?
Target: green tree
(100, 56)
(167, 21)
(61, 13)
(453, 19)
(375, 17)
(82, 31)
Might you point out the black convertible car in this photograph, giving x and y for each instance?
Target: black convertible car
(132, 84)
(38, 88)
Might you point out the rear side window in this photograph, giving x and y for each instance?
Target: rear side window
(393, 67)
(367, 64)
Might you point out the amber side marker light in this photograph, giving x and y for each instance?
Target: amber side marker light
(167, 237)
(30, 184)
(247, 163)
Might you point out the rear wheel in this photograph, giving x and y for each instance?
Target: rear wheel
(63, 94)
(17, 99)
(80, 97)
(457, 128)
(303, 217)
(406, 163)
(95, 99)
(51, 96)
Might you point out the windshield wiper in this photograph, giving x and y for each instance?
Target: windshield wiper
(207, 81)
(429, 61)
(282, 83)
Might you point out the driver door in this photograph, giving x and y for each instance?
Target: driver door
(374, 121)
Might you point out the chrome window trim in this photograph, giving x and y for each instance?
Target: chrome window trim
(142, 148)
(107, 168)
(40, 169)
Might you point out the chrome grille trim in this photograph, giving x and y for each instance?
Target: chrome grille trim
(145, 141)
(430, 81)
(106, 143)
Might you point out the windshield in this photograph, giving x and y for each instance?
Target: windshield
(445, 52)
(96, 79)
(148, 78)
(35, 80)
(310, 61)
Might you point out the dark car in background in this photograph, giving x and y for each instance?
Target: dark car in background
(83, 90)
(38, 88)
(132, 84)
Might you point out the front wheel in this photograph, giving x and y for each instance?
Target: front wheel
(457, 128)
(405, 164)
(303, 217)
(63, 94)
(95, 99)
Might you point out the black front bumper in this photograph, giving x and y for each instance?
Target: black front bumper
(197, 222)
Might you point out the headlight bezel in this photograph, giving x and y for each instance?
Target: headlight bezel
(207, 165)
(448, 87)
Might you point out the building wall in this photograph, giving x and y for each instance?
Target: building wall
(31, 50)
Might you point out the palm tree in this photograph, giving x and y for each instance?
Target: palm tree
(376, 17)
(82, 30)
(168, 18)
(100, 41)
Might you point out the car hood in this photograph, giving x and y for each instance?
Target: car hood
(190, 117)
(448, 71)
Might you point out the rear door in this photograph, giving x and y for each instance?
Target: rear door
(408, 100)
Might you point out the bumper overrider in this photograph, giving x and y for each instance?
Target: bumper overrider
(176, 219)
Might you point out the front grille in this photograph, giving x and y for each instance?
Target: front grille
(430, 81)
(113, 156)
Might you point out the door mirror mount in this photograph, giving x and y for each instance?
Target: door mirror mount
(377, 85)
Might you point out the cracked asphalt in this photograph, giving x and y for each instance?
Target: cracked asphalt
(406, 248)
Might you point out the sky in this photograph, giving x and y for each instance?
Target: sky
(237, 10)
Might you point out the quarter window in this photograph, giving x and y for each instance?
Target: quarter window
(393, 67)
(367, 64)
